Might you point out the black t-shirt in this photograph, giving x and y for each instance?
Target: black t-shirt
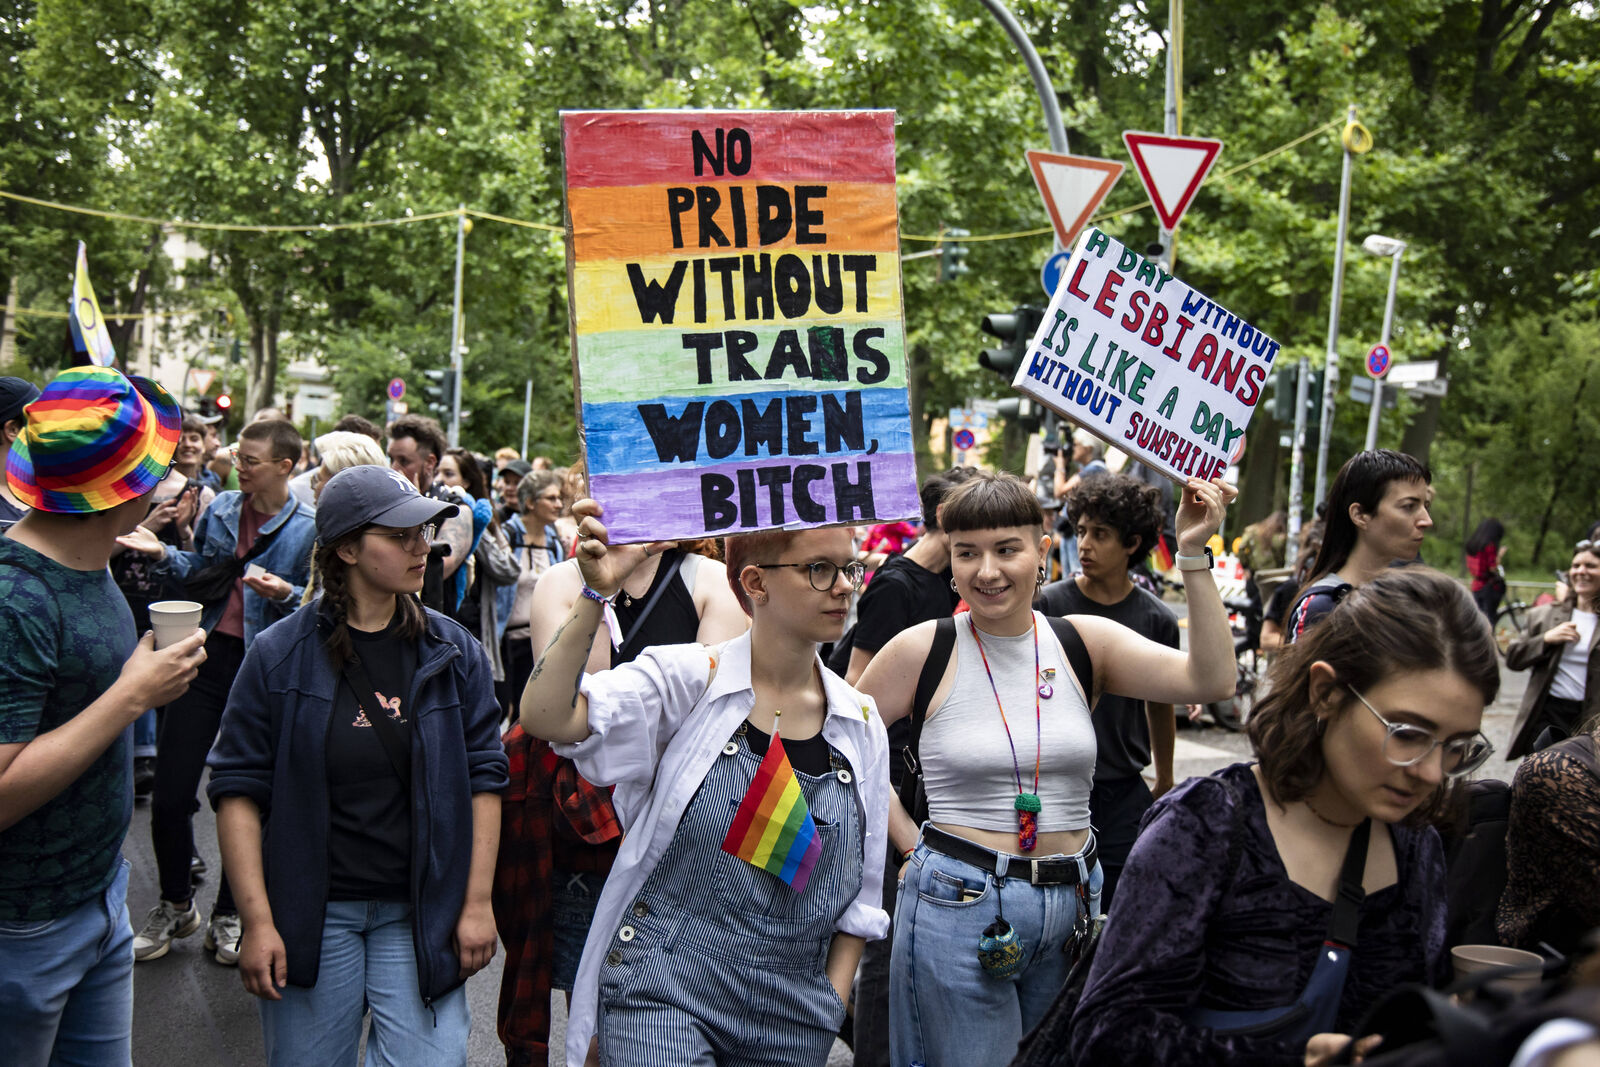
(1120, 729)
(811, 756)
(900, 595)
(672, 621)
(1282, 600)
(369, 829)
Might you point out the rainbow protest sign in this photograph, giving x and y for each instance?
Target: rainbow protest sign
(739, 351)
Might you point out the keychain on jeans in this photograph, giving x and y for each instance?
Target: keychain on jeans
(1084, 929)
(1000, 948)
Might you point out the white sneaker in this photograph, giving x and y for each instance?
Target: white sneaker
(222, 937)
(165, 922)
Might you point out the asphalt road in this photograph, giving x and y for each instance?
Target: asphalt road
(191, 1012)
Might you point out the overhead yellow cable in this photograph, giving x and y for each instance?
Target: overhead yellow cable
(233, 227)
(513, 222)
(43, 313)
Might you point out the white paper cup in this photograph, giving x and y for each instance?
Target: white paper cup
(1520, 969)
(173, 620)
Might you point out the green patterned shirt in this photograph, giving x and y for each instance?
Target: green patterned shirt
(64, 636)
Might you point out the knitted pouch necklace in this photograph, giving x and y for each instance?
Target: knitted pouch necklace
(1027, 804)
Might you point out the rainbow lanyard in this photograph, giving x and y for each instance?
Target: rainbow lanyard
(1027, 804)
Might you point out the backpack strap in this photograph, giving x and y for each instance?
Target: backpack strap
(1077, 654)
(933, 668)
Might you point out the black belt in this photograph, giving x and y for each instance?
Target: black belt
(1039, 872)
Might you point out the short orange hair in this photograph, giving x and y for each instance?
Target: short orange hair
(742, 550)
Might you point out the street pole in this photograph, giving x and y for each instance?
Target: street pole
(455, 327)
(527, 413)
(1170, 126)
(1041, 78)
(1330, 384)
(1355, 139)
(1388, 321)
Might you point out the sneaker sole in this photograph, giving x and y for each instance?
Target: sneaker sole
(157, 951)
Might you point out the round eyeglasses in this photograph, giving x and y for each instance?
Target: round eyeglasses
(825, 572)
(1407, 745)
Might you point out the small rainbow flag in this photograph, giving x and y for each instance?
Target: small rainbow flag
(1161, 555)
(772, 828)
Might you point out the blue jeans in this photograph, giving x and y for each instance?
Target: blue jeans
(144, 735)
(66, 985)
(367, 962)
(944, 1010)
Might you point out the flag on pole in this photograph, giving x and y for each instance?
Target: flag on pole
(773, 828)
(89, 333)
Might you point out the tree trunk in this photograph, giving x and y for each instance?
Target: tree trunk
(261, 389)
(1558, 469)
(916, 388)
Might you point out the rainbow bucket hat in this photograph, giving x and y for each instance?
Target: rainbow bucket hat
(95, 438)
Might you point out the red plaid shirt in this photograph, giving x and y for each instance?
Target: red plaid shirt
(550, 818)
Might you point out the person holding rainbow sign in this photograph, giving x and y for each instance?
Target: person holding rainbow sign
(751, 782)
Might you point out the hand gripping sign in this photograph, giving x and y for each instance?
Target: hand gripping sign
(739, 349)
(1137, 357)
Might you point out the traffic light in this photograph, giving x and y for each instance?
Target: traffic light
(1015, 329)
(1314, 401)
(439, 390)
(224, 403)
(953, 255)
(1283, 388)
(1028, 413)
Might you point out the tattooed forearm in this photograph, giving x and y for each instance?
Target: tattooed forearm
(577, 683)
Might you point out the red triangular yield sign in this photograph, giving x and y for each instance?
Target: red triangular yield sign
(1072, 187)
(1172, 169)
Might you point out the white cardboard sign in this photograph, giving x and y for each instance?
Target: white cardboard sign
(1152, 365)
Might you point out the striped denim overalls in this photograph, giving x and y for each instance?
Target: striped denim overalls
(718, 960)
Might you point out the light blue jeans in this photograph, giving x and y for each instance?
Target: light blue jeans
(944, 1010)
(367, 962)
(66, 985)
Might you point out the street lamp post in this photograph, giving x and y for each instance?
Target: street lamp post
(1378, 245)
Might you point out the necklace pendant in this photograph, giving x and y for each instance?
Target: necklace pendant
(1028, 808)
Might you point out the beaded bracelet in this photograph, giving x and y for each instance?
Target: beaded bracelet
(596, 597)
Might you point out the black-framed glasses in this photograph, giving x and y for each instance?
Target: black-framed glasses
(412, 539)
(824, 572)
(1407, 745)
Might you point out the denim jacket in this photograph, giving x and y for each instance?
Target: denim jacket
(272, 748)
(216, 538)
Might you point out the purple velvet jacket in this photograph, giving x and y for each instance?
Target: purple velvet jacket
(1184, 933)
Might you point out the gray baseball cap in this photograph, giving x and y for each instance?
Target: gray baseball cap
(370, 495)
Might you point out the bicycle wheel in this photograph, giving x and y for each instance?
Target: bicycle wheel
(1507, 626)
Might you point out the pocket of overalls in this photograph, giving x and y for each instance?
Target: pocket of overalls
(746, 889)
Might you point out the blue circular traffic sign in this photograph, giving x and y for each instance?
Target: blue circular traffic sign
(1378, 361)
(1055, 268)
(964, 440)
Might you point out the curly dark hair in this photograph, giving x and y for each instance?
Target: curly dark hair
(1126, 504)
(1408, 619)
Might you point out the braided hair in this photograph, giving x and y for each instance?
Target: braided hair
(336, 601)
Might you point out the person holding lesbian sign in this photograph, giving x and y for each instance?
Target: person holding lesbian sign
(1000, 891)
(751, 782)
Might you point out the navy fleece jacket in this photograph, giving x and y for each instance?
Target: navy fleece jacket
(272, 748)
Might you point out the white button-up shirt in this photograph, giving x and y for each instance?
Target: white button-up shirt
(655, 730)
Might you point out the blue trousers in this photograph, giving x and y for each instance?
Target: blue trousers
(367, 962)
(66, 985)
(944, 1010)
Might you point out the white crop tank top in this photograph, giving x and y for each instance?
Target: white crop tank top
(966, 760)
